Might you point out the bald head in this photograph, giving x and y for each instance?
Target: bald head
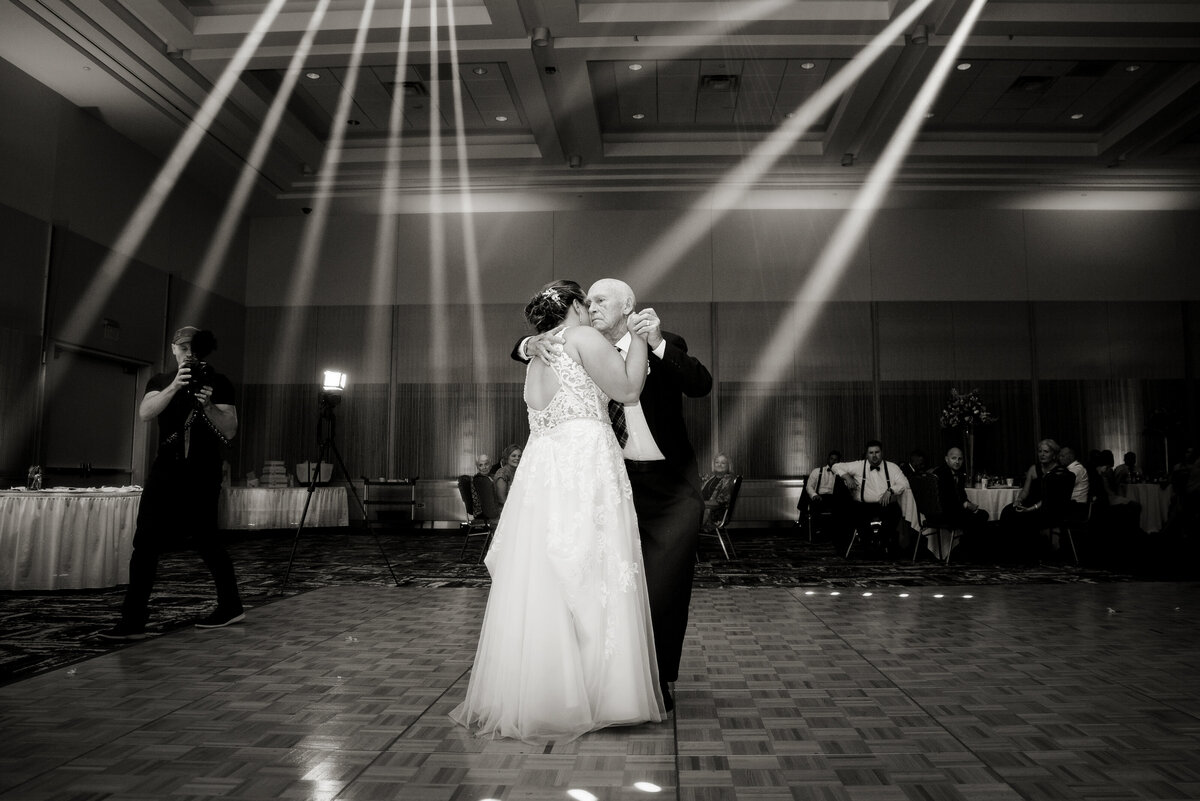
(609, 303)
(954, 458)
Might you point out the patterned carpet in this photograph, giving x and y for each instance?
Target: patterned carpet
(40, 631)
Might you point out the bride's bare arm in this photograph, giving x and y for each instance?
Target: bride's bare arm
(621, 379)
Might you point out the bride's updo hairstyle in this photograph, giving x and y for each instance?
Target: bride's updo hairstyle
(548, 307)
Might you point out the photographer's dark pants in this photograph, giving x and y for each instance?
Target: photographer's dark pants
(178, 508)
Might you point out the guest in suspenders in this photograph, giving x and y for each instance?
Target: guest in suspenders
(875, 485)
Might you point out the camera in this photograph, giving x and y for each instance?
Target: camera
(203, 344)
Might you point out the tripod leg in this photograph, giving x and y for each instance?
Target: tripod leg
(363, 508)
(322, 456)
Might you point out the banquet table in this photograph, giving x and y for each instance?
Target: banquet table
(281, 507)
(993, 499)
(1155, 501)
(65, 538)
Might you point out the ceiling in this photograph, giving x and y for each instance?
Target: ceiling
(623, 96)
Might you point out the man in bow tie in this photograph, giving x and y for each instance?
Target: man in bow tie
(877, 487)
(659, 457)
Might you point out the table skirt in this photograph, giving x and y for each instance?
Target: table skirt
(282, 507)
(1155, 501)
(66, 540)
(992, 500)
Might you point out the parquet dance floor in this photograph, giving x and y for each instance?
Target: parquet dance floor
(988, 693)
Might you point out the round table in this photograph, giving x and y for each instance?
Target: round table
(993, 499)
(1155, 501)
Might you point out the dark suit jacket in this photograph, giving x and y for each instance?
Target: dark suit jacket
(951, 494)
(676, 374)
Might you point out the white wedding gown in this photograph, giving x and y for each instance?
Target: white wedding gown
(566, 645)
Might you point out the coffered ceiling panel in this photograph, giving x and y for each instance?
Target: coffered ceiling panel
(597, 97)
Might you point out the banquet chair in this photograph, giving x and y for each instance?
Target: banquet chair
(924, 488)
(481, 515)
(721, 522)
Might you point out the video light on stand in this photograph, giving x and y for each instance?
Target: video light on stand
(333, 383)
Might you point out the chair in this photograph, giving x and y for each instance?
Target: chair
(479, 501)
(924, 487)
(1057, 502)
(720, 523)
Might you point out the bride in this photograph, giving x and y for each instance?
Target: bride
(566, 645)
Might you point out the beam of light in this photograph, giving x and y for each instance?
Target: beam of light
(383, 274)
(437, 223)
(470, 247)
(300, 289)
(802, 315)
(711, 208)
(219, 244)
(92, 300)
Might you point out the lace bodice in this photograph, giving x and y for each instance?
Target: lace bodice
(577, 397)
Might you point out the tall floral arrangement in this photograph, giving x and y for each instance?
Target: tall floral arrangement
(965, 410)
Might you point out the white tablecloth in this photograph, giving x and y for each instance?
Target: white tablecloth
(281, 507)
(64, 539)
(993, 499)
(1155, 501)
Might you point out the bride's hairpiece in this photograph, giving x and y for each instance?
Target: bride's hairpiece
(552, 296)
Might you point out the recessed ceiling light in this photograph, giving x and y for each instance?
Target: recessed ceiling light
(639, 116)
(480, 70)
(808, 65)
(1077, 116)
(352, 122)
(501, 118)
(1133, 67)
(312, 75)
(964, 66)
(635, 67)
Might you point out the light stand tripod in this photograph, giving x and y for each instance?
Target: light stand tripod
(326, 424)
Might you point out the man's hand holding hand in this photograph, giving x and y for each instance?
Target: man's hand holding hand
(646, 324)
(543, 346)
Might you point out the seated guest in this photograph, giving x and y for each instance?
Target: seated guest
(917, 463)
(957, 509)
(824, 500)
(481, 479)
(1129, 472)
(503, 476)
(1113, 514)
(822, 481)
(715, 488)
(1081, 491)
(875, 487)
(1036, 509)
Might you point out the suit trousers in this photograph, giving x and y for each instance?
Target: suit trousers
(669, 509)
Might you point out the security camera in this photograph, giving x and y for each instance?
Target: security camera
(306, 210)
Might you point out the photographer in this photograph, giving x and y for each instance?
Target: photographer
(196, 418)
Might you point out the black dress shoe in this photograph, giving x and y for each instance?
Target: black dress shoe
(668, 701)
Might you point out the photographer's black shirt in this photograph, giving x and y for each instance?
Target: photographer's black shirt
(204, 449)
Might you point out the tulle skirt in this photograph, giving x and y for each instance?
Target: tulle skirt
(566, 645)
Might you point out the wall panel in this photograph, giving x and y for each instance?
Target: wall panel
(947, 254)
(769, 255)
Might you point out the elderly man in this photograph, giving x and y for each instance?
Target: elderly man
(876, 487)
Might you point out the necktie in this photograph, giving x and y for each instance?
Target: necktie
(874, 467)
(616, 413)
